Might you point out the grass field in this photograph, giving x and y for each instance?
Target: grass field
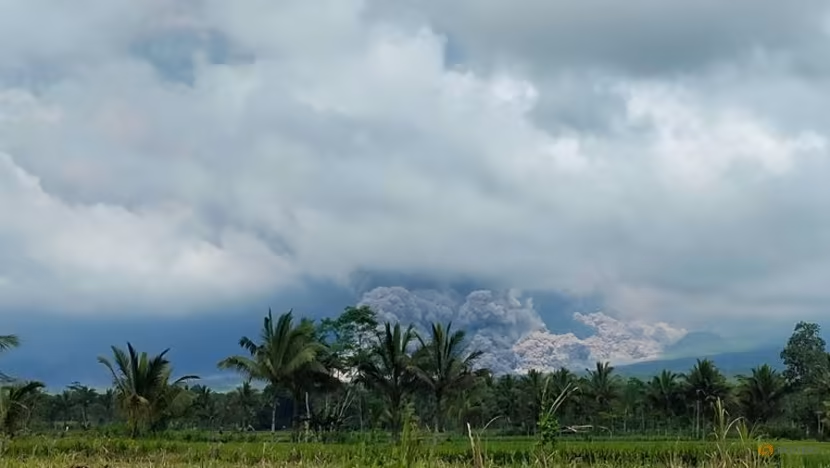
(424, 451)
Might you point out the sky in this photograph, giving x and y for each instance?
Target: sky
(176, 164)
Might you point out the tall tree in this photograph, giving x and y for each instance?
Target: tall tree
(348, 335)
(444, 366)
(534, 386)
(205, 406)
(245, 399)
(562, 380)
(603, 387)
(760, 394)
(144, 388)
(632, 400)
(704, 386)
(387, 369)
(82, 397)
(806, 361)
(283, 354)
(348, 339)
(663, 393)
(508, 396)
(805, 356)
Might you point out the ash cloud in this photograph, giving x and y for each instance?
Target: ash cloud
(513, 335)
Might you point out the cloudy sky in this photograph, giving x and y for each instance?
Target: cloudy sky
(166, 160)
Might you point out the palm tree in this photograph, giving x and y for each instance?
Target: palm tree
(283, 357)
(204, 405)
(535, 386)
(245, 398)
(507, 396)
(470, 406)
(602, 386)
(8, 342)
(143, 387)
(83, 396)
(633, 402)
(108, 400)
(704, 386)
(387, 369)
(14, 409)
(663, 393)
(562, 380)
(705, 383)
(761, 394)
(63, 407)
(14, 398)
(308, 379)
(443, 367)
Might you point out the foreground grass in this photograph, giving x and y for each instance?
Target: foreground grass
(80, 451)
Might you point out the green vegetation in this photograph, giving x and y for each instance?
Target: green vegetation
(352, 392)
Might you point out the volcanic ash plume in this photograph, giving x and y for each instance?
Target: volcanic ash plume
(512, 333)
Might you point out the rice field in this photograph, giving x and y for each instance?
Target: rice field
(425, 451)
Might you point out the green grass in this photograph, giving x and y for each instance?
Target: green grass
(44, 451)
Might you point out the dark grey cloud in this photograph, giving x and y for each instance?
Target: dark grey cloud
(665, 158)
(641, 36)
(197, 340)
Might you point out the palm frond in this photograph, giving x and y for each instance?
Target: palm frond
(8, 342)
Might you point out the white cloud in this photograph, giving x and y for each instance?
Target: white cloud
(345, 141)
(104, 257)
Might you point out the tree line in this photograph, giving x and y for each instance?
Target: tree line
(351, 373)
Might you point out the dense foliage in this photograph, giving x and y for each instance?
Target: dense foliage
(354, 380)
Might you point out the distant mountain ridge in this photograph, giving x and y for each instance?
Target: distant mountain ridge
(730, 363)
(732, 356)
(696, 342)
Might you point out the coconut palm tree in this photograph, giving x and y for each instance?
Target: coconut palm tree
(108, 402)
(761, 394)
(507, 396)
(143, 387)
(663, 393)
(534, 385)
(443, 366)
(387, 369)
(633, 402)
(7, 342)
(284, 355)
(14, 405)
(602, 386)
(245, 399)
(83, 397)
(14, 397)
(204, 409)
(704, 385)
(563, 380)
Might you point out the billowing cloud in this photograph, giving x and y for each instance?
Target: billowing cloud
(100, 256)
(513, 336)
(165, 155)
(613, 341)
